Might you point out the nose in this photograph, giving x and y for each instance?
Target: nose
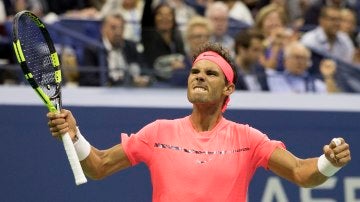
(200, 78)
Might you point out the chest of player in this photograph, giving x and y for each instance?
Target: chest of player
(206, 162)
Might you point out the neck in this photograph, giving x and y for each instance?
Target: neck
(331, 38)
(166, 35)
(129, 6)
(205, 118)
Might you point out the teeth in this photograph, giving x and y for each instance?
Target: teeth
(199, 89)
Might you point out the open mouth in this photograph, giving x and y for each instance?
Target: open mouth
(199, 89)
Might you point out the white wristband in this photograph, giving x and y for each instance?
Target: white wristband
(325, 167)
(82, 146)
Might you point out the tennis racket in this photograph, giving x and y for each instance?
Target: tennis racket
(40, 64)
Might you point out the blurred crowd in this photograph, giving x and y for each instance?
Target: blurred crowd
(300, 46)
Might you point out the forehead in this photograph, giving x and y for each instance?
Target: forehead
(298, 50)
(164, 9)
(255, 42)
(198, 28)
(206, 65)
(112, 20)
(331, 12)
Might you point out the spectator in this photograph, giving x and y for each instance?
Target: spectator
(132, 11)
(271, 21)
(162, 41)
(293, 10)
(38, 7)
(239, 11)
(7, 75)
(328, 38)
(312, 14)
(2, 12)
(123, 61)
(69, 66)
(248, 49)
(349, 26)
(198, 31)
(183, 13)
(296, 78)
(218, 14)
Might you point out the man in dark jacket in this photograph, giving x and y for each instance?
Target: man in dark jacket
(119, 59)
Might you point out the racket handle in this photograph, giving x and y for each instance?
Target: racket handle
(74, 160)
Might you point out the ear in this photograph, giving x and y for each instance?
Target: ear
(229, 89)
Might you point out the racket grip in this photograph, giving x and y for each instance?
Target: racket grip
(73, 160)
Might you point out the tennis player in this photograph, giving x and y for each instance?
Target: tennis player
(203, 153)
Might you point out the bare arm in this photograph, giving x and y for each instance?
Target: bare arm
(304, 172)
(99, 163)
(102, 163)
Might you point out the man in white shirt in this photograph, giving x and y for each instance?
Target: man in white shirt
(327, 37)
(296, 78)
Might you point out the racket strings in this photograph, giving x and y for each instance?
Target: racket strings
(38, 55)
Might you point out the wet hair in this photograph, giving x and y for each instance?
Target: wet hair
(223, 52)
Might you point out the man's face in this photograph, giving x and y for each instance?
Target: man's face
(113, 30)
(297, 62)
(331, 22)
(253, 53)
(220, 22)
(198, 35)
(206, 83)
(348, 22)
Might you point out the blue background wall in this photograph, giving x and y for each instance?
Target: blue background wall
(34, 167)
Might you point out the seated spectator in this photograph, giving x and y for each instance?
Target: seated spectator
(132, 11)
(239, 11)
(2, 13)
(328, 38)
(293, 10)
(8, 75)
(198, 31)
(248, 49)
(69, 65)
(349, 26)
(38, 7)
(313, 12)
(271, 22)
(123, 61)
(162, 41)
(183, 13)
(296, 78)
(218, 14)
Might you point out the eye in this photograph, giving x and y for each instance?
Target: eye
(211, 73)
(194, 71)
